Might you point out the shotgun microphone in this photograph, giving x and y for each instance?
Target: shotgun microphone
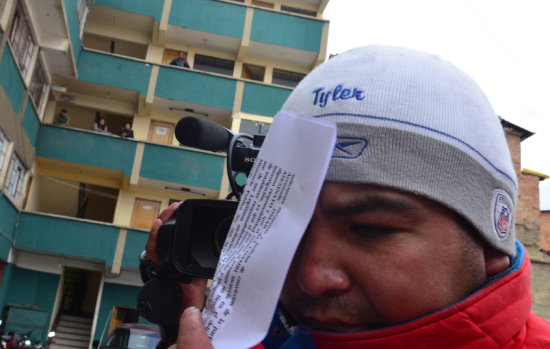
(202, 134)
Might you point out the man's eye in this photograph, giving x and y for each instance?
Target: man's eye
(370, 230)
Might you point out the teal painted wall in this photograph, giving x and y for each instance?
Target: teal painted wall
(114, 71)
(196, 88)
(182, 166)
(33, 288)
(113, 294)
(286, 30)
(143, 7)
(67, 237)
(11, 81)
(135, 243)
(74, 29)
(31, 123)
(6, 281)
(8, 217)
(86, 148)
(209, 16)
(262, 99)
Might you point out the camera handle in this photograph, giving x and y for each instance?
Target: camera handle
(235, 188)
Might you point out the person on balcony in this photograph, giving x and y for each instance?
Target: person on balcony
(126, 131)
(180, 61)
(100, 126)
(62, 119)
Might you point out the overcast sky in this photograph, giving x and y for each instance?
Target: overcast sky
(503, 45)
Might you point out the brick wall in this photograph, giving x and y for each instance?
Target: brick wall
(545, 231)
(527, 208)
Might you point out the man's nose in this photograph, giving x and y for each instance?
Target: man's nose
(323, 259)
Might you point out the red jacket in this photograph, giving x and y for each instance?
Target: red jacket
(497, 316)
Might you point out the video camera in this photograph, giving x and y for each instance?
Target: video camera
(190, 242)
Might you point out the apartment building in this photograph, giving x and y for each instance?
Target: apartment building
(76, 204)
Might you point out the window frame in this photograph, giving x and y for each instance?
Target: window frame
(21, 40)
(81, 11)
(39, 69)
(4, 143)
(15, 180)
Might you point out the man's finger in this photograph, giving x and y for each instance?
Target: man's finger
(193, 293)
(151, 245)
(191, 333)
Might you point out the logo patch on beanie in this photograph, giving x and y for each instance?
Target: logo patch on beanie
(503, 212)
(349, 147)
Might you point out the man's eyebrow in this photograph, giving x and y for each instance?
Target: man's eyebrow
(370, 203)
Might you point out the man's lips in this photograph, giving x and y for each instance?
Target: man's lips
(333, 325)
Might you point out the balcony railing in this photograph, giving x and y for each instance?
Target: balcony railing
(67, 236)
(209, 16)
(287, 30)
(79, 238)
(114, 70)
(196, 87)
(87, 148)
(143, 7)
(181, 166)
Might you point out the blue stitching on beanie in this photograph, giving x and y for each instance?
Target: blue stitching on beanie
(425, 128)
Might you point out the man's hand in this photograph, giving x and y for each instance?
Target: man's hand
(191, 332)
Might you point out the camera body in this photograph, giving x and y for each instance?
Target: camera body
(190, 242)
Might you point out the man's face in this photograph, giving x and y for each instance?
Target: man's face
(181, 55)
(374, 257)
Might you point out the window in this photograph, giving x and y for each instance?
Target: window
(81, 9)
(214, 65)
(38, 85)
(300, 11)
(21, 40)
(14, 182)
(286, 78)
(3, 149)
(253, 72)
(262, 4)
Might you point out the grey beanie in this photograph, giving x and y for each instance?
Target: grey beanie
(411, 121)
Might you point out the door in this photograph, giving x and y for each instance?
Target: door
(145, 213)
(161, 132)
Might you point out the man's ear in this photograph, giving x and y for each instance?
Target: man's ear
(495, 262)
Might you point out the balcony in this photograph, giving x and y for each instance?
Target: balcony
(182, 167)
(209, 16)
(161, 166)
(78, 238)
(87, 148)
(9, 216)
(219, 26)
(287, 30)
(142, 7)
(69, 237)
(262, 99)
(135, 243)
(196, 88)
(116, 71)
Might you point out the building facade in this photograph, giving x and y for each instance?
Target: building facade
(76, 202)
(532, 226)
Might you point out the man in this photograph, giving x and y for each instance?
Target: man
(412, 241)
(180, 61)
(62, 118)
(126, 131)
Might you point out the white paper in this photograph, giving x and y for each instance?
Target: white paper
(274, 211)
